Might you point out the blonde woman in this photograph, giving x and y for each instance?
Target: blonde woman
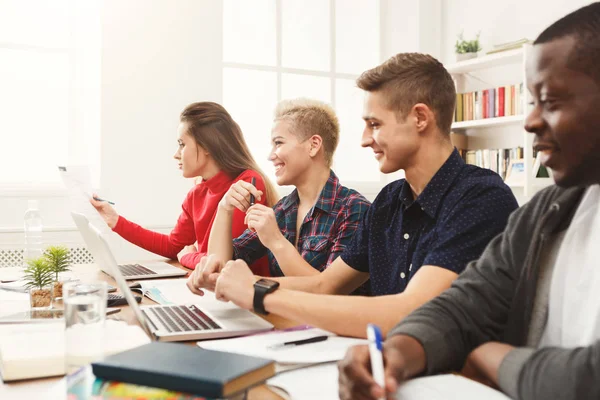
(306, 230)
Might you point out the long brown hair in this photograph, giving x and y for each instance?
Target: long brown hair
(214, 130)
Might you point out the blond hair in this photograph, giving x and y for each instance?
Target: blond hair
(311, 117)
(410, 78)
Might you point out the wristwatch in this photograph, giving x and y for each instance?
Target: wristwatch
(263, 287)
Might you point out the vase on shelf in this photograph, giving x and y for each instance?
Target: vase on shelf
(465, 56)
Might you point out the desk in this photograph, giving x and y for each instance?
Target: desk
(88, 273)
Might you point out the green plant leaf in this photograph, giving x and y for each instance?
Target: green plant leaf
(38, 273)
(58, 259)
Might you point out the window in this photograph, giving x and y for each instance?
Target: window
(278, 49)
(49, 101)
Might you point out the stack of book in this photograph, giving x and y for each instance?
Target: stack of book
(498, 160)
(508, 46)
(489, 103)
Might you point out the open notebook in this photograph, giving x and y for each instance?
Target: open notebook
(324, 385)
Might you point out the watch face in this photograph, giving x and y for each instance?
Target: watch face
(266, 283)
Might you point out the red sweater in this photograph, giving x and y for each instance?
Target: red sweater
(195, 222)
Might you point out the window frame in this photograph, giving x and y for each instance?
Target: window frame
(371, 188)
(75, 143)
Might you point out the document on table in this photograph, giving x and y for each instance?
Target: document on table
(324, 385)
(332, 349)
(175, 291)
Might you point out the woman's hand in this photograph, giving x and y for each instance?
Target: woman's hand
(261, 219)
(107, 212)
(238, 196)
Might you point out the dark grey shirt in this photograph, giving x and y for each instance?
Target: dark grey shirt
(495, 300)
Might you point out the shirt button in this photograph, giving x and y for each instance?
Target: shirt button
(402, 275)
(406, 236)
(410, 267)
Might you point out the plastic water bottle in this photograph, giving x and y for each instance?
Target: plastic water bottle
(33, 232)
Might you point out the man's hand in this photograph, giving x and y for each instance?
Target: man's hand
(236, 284)
(262, 220)
(186, 250)
(238, 196)
(355, 378)
(205, 275)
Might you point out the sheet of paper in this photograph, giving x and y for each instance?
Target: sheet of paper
(332, 349)
(78, 182)
(447, 387)
(324, 385)
(174, 291)
(318, 382)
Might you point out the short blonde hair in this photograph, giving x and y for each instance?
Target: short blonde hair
(311, 117)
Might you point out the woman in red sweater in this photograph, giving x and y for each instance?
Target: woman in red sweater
(211, 145)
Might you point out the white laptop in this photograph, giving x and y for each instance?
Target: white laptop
(181, 322)
(131, 271)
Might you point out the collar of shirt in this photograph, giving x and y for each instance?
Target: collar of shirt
(432, 195)
(217, 181)
(326, 199)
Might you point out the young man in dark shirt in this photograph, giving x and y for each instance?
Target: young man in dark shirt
(526, 314)
(419, 233)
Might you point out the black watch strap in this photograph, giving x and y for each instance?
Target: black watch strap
(260, 292)
(259, 300)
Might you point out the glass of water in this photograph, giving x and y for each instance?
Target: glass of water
(85, 313)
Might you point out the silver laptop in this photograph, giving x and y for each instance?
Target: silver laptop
(181, 322)
(130, 271)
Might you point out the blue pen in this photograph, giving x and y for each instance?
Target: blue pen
(376, 353)
(99, 199)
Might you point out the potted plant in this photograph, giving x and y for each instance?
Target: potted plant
(38, 280)
(466, 49)
(58, 259)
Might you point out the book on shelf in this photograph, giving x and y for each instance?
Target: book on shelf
(497, 48)
(501, 101)
(497, 160)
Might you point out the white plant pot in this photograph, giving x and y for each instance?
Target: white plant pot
(465, 56)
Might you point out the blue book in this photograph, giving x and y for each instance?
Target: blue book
(184, 368)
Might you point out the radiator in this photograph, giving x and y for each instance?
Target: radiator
(14, 257)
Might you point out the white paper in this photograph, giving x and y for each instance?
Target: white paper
(332, 349)
(318, 382)
(324, 385)
(78, 182)
(447, 387)
(175, 291)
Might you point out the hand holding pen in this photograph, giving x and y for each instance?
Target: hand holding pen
(106, 211)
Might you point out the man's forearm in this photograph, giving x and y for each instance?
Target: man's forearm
(343, 315)
(290, 261)
(220, 242)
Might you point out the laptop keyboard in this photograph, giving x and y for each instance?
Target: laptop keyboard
(183, 318)
(135, 269)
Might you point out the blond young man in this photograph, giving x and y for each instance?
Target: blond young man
(419, 233)
(308, 229)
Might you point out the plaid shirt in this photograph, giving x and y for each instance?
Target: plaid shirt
(325, 232)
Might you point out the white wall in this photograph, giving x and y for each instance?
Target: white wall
(499, 21)
(157, 57)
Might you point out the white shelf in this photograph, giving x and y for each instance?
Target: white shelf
(488, 122)
(489, 61)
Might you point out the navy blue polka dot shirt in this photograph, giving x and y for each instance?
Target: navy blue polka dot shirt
(448, 225)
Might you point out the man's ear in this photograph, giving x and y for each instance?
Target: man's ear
(316, 142)
(424, 116)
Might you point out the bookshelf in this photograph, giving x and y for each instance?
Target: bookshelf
(491, 71)
(488, 122)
